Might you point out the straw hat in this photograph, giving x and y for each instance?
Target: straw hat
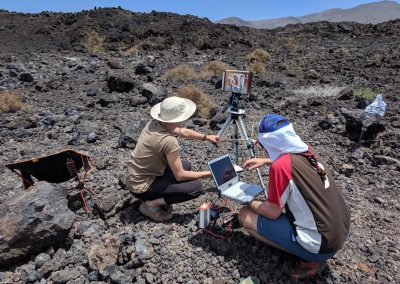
(173, 109)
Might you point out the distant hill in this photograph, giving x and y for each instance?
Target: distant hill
(371, 13)
(236, 21)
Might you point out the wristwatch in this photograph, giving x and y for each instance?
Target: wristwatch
(205, 137)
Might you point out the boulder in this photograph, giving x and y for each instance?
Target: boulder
(314, 102)
(386, 160)
(362, 102)
(129, 137)
(137, 100)
(26, 77)
(22, 121)
(347, 169)
(120, 278)
(23, 133)
(65, 275)
(91, 137)
(85, 127)
(345, 95)
(312, 74)
(17, 66)
(142, 69)
(120, 82)
(33, 221)
(106, 101)
(153, 93)
(108, 204)
(114, 64)
(103, 257)
(356, 130)
(91, 92)
(218, 120)
(324, 124)
(28, 273)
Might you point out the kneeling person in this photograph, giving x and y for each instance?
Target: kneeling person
(316, 221)
(156, 173)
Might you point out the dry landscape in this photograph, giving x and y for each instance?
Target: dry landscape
(87, 81)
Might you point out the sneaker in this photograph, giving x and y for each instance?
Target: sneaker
(307, 269)
(155, 212)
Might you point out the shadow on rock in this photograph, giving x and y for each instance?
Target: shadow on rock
(131, 215)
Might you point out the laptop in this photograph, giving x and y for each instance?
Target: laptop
(227, 181)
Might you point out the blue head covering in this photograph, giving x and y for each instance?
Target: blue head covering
(272, 122)
(278, 137)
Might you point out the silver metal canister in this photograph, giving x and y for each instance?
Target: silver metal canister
(204, 215)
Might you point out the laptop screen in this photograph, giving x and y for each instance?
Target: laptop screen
(223, 170)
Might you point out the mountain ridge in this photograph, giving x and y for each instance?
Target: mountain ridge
(370, 13)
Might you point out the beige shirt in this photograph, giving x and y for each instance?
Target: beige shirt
(149, 158)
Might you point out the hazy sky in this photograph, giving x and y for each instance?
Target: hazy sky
(212, 9)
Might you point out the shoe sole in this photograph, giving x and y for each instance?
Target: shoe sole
(312, 272)
(144, 211)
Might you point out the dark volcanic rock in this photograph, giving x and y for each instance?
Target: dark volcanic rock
(75, 93)
(107, 205)
(142, 69)
(131, 134)
(385, 160)
(120, 82)
(220, 247)
(345, 94)
(324, 124)
(355, 125)
(218, 84)
(28, 273)
(312, 74)
(362, 102)
(91, 137)
(114, 64)
(23, 133)
(26, 77)
(218, 120)
(136, 100)
(23, 121)
(65, 275)
(103, 257)
(33, 220)
(91, 92)
(153, 93)
(41, 258)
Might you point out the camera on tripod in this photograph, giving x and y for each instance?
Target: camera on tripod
(237, 83)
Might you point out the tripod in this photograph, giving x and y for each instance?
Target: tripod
(235, 117)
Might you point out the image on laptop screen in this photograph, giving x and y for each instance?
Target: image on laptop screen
(223, 170)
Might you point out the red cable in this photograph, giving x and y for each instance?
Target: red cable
(226, 203)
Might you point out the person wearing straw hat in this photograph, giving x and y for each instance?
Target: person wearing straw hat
(316, 220)
(156, 173)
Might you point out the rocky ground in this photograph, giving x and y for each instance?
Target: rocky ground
(95, 104)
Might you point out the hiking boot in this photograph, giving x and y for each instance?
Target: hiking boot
(155, 212)
(307, 269)
(169, 208)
